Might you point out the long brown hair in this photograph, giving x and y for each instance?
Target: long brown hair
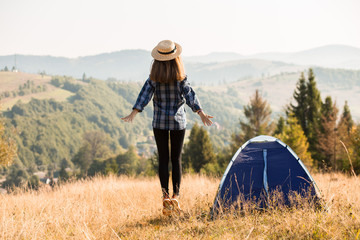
(167, 71)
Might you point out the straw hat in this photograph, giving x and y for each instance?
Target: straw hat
(166, 50)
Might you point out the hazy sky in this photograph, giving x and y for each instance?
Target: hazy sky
(75, 28)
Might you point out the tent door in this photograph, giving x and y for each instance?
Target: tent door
(266, 186)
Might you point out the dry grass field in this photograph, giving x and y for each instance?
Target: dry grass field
(130, 208)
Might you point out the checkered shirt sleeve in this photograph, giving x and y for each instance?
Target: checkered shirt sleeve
(145, 95)
(191, 99)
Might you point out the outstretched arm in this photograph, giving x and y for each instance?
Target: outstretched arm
(143, 99)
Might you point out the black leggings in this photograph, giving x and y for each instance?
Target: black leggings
(176, 144)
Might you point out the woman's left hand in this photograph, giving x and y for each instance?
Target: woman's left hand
(205, 118)
(131, 116)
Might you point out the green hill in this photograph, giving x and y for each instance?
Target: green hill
(342, 85)
(51, 130)
(51, 114)
(19, 86)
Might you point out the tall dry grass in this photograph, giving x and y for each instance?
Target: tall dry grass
(130, 208)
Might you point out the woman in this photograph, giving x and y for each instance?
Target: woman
(170, 88)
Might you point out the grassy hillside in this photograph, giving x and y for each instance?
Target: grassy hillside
(50, 130)
(52, 120)
(341, 85)
(11, 82)
(128, 208)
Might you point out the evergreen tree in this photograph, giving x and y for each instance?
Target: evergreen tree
(327, 108)
(346, 119)
(199, 153)
(257, 114)
(280, 126)
(306, 110)
(313, 115)
(328, 144)
(207, 153)
(345, 131)
(300, 108)
(294, 136)
(128, 161)
(191, 149)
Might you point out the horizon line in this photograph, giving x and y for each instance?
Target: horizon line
(141, 49)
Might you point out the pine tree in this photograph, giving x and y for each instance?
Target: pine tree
(345, 130)
(258, 114)
(294, 136)
(307, 110)
(313, 116)
(280, 126)
(191, 149)
(207, 152)
(346, 118)
(327, 108)
(300, 108)
(128, 161)
(198, 152)
(327, 146)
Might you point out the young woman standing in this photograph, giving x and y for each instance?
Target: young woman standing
(171, 90)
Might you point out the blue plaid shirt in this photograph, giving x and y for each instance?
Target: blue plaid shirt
(169, 99)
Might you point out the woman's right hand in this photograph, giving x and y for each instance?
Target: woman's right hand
(205, 118)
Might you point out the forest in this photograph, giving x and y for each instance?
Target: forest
(85, 136)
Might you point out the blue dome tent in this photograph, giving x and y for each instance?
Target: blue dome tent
(262, 165)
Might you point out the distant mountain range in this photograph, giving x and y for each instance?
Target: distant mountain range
(134, 65)
(331, 56)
